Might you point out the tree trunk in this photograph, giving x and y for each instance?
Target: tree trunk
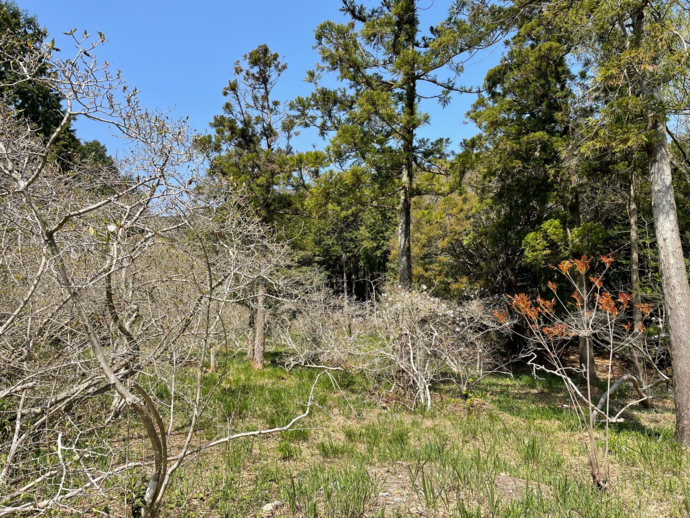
(259, 342)
(635, 355)
(585, 346)
(404, 226)
(212, 361)
(586, 353)
(674, 279)
(346, 307)
(251, 333)
(367, 288)
(409, 21)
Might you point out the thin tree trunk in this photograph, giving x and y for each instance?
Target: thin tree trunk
(212, 366)
(674, 278)
(346, 306)
(404, 227)
(250, 334)
(259, 342)
(585, 346)
(586, 353)
(366, 285)
(635, 355)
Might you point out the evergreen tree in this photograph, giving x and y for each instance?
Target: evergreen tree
(251, 141)
(637, 55)
(384, 59)
(346, 226)
(33, 100)
(251, 148)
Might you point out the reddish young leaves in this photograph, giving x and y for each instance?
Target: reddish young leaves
(606, 303)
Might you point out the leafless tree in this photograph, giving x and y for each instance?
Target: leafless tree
(113, 283)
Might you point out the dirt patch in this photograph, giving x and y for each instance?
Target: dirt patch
(397, 491)
(571, 358)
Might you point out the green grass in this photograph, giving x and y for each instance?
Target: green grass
(330, 449)
(510, 449)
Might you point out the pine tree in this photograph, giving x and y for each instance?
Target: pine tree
(383, 59)
(251, 148)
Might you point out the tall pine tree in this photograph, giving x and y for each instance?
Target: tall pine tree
(384, 60)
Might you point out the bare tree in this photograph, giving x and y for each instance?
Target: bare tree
(114, 283)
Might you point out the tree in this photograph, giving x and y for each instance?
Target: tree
(526, 124)
(31, 99)
(72, 335)
(35, 101)
(345, 225)
(531, 184)
(384, 60)
(639, 51)
(251, 141)
(646, 48)
(250, 149)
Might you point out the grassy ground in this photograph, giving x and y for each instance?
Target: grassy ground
(512, 448)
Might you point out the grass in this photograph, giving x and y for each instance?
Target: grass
(512, 449)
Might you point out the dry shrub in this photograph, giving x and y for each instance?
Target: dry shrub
(408, 340)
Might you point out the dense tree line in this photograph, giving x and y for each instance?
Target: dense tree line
(568, 160)
(581, 150)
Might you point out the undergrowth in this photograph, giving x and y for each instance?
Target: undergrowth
(512, 449)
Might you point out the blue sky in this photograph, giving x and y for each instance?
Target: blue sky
(180, 54)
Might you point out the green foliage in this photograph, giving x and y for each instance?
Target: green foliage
(522, 202)
(383, 59)
(337, 220)
(545, 245)
(550, 242)
(250, 146)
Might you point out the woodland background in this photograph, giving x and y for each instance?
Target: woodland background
(384, 302)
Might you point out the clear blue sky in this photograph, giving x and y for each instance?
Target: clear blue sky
(180, 54)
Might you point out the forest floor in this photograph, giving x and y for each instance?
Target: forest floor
(513, 447)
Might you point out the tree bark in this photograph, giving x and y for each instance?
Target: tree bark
(251, 333)
(635, 355)
(367, 288)
(409, 22)
(586, 353)
(346, 306)
(259, 342)
(674, 279)
(585, 346)
(404, 224)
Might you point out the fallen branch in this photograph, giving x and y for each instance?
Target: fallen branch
(641, 391)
